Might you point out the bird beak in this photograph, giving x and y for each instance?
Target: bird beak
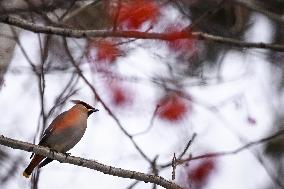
(92, 110)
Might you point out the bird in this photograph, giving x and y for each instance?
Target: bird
(64, 132)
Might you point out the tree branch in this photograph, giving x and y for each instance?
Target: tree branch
(226, 153)
(24, 24)
(244, 147)
(91, 164)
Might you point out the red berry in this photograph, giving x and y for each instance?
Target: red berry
(172, 107)
(134, 14)
(106, 51)
(120, 95)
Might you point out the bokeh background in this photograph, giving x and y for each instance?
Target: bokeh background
(162, 92)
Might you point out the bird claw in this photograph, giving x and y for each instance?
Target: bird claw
(53, 151)
(67, 154)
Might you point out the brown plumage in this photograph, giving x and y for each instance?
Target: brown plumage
(65, 131)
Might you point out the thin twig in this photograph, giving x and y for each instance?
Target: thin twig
(132, 185)
(151, 123)
(187, 146)
(155, 170)
(174, 165)
(226, 153)
(206, 14)
(175, 160)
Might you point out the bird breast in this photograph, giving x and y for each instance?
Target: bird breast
(66, 137)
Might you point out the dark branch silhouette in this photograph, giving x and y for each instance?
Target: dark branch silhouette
(24, 24)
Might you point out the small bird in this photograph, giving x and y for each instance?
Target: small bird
(64, 132)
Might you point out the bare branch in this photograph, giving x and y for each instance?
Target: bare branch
(207, 14)
(187, 146)
(151, 123)
(133, 34)
(237, 43)
(232, 152)
(91, 164)
(174, 165)
(244, 147)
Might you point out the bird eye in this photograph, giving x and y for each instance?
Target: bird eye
(92, 110)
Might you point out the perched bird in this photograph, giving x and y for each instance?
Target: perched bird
(65, 131)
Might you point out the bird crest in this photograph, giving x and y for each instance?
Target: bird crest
(88, 106)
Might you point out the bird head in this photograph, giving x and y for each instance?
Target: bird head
(88, 107)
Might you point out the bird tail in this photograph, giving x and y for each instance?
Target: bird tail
(45, 162)
(35, 161)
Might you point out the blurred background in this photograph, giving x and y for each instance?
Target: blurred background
(225, 99)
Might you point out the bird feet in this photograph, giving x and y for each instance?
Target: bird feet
(67, 154)
(52, 151)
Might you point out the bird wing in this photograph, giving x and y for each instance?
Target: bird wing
(50, 129)
(45, 162)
